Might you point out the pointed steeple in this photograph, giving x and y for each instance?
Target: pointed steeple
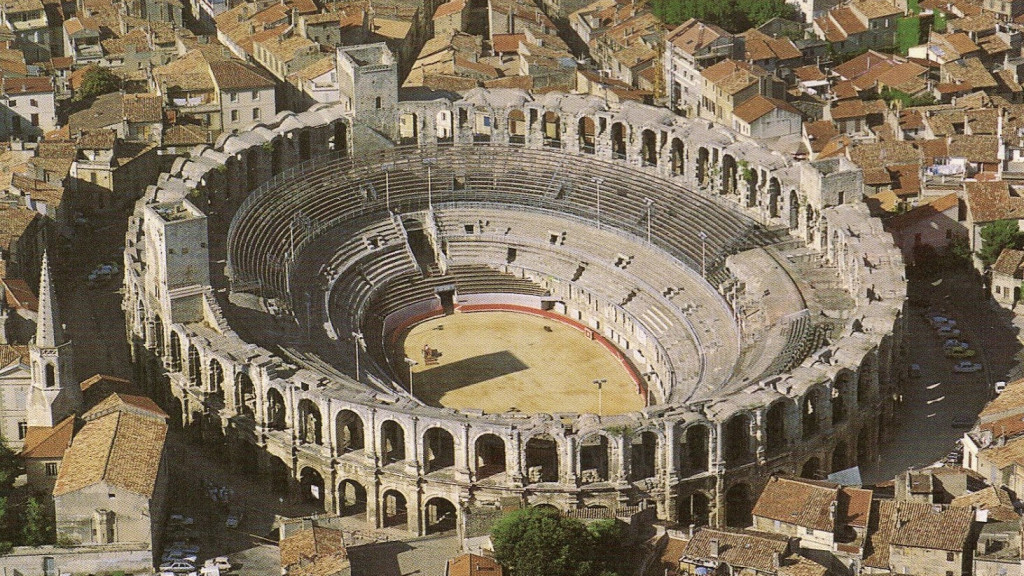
(49, 332)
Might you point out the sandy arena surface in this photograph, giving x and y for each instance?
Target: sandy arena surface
(495, 361)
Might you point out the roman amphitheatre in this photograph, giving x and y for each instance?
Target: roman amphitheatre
(745, 313)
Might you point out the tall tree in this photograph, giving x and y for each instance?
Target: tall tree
(10, 468)
(537, 542)
(98, 81)
(996, 236)
(36, 528)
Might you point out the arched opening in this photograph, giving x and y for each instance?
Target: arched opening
(351, 498)
(811, 469)
(341, 138)
(443, 126)
(809, 414)
(158, 334)
(51, 375)
(702, 166)
(678, 157)
(642, 455)
(749, 176)
(245, 395)
(277, 475)
(865, 383)
(348, 428)
(490, 456)
(275, 410)
(649, 148)
(738, 506)
(697, 441)
(516, 127)
(304, 145)
(216, 376)
(774, 193)
(775, 429)
(175, 352)
(542, 459)
(195, 370)
(548, 508)
(618, 141)
(839, 457)
(587, 134)
(594, 459)
(408, 128)
(392, 442)
(794, 210)
(310, 430)
(551, 128)
(728, 174)
(394, 511)
(440, 515)
(438, 450)
(312, 484)
(737, 440)
(694, 509)
(839, 393)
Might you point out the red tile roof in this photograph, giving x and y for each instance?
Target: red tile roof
(44, 442)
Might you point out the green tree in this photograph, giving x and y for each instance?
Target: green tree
(98, 81)
(36, 528)
(537, 542)
(10, 468)
(609, 538)
(996, 236)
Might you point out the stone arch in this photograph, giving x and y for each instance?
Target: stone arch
(595, 456)
(158, 335)
(738, 506)
(794, 210)
(840, 457)
(392, 442)
(729, 174)
(865, 380)
(698, 442)
(440, 515)
(737, 439)
(643, 452)
(443, 128)
(312, 485)
(394, 509)
(774, 194)
(51, 375)
(775, 428)
(216, 376)
(438, 450)
(678, 157)
(516, 127)
(278, 474)
(348, 430)
(175, 346)
(811, 469)
(490, 455)
(649, 147)
(809, 413)
(275, 409)
(618, 136)
(694, 509)
(195, 366)
(551, 129)
(587, 134)
(408, 127)
(245, 395)
(341, 138)
(351, 498)
(702, 166)
(840, 396)
(541, 456)
(310, 422)
(749, 175)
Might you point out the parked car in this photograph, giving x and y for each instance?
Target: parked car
(915, 370)
(178, 567)
(948, 332)
(220, 562)
(999, 387)
(181, 520)
(966, 367)
(954, 343)
(960, 353)
(234, 519)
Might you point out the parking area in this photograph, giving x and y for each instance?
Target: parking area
(939, 405)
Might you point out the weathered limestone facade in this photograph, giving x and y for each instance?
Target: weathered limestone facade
(368, 447)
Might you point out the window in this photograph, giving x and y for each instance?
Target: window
(13, 103)
(255, 113)
(51, 468)
(92, 177)
(35, 119)
(22, 430)
(949, 556)
(376, 103)
(809, 531)
(234, 115)
(255, 95)
(233, 97)
(32, 102)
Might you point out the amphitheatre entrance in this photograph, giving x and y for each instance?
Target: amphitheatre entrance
(501, 360)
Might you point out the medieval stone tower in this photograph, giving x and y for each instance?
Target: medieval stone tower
(54, 394)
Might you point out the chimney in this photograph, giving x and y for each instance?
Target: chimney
(832, 511)
(776, 560)
(713, 544)
(692, 527)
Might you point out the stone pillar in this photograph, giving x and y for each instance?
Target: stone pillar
(760, 450)
(412, 449)
(717, 463)
(671, 459)
(370, 447)
(569, 472)
(514, 458)
(328, 423)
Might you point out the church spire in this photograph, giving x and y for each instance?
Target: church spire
(49, 332)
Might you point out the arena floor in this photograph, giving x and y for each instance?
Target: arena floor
(495, 361)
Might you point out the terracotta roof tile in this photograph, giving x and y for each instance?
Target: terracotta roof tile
(738, 549)
(991, 201)
(46, 442)
(120, 402)
(475, 565)
(923, 212)
(922, 525)
(693, 35)
(798, 501)
(9, 354)
(143, 108)
(236, 75)
(757, 106)
(313, 551)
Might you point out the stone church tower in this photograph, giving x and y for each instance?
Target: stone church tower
(54, 394)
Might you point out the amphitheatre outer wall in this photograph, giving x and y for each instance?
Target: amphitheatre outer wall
(373, 451)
